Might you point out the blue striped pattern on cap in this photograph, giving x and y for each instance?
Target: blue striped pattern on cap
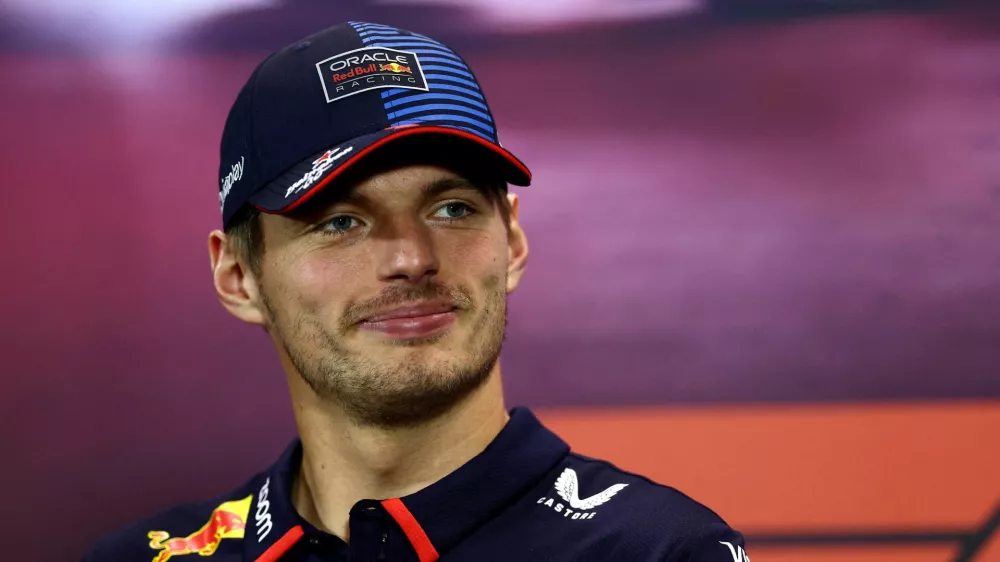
(454, 98)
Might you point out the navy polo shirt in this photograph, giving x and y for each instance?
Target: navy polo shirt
(525, 497)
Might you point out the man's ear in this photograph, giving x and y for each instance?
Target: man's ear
(517, 246)
(236, 286)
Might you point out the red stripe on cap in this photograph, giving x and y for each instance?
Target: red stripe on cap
(418, 538)
(283, 545)
(405, 132)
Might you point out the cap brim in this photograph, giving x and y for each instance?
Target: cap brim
(301, 182)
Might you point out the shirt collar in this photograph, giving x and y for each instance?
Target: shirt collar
(448, 510)
(460, 503)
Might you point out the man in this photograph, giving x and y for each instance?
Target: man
(368, 230)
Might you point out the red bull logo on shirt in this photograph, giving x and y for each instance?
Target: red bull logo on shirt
(228, 521)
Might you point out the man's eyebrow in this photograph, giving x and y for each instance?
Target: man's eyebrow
(437, 187)
(427, 191)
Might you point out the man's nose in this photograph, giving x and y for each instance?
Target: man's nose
(408, 252)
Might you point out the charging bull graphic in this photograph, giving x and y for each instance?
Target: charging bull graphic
(228, 521)
(395, 67)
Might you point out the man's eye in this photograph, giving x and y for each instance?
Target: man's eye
(454, 211)
(340, 224)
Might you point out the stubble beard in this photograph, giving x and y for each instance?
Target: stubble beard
(386, 395)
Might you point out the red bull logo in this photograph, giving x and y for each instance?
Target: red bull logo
(369, 68)
(228, 521)
(355, 72)
(395, 67)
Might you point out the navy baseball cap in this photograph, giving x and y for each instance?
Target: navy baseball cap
(314, 108)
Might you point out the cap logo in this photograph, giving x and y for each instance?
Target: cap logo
(235, 174)
(369, 68)
(320, 166)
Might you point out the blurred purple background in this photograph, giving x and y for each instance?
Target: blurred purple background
(784, 203)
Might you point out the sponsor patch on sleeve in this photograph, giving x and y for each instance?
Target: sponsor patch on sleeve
(370, 68)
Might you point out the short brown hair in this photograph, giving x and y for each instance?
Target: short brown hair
(246, 237)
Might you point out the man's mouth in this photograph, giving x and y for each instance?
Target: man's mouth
(412, 321)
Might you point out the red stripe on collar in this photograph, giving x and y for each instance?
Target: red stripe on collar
(282, 545)
(418, 538)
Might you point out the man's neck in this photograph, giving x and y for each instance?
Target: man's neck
(343, 462)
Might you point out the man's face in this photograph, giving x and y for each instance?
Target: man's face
(389, 295)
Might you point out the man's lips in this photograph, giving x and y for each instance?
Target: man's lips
(425, 309)
(417, 321)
